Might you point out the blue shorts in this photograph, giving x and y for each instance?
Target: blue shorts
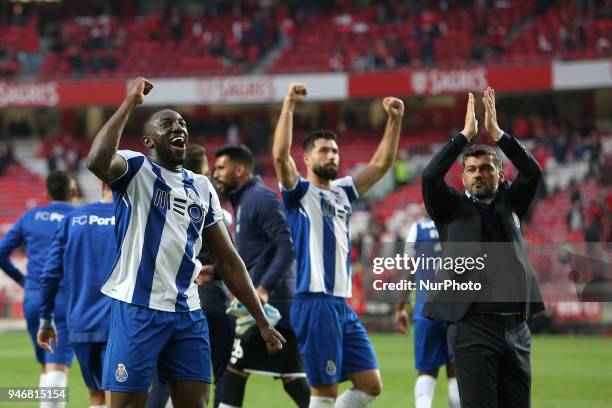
(141, 338)
(91, 360)
(63, 354)
(430, 346)
(331, 339)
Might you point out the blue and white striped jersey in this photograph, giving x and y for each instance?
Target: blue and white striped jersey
(319, 221)
(423, 242)
(160, 216)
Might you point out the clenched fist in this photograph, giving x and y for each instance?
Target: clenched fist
(394, 107)
(139, 88)
(296, 93)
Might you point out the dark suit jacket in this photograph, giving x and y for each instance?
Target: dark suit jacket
(458, 221)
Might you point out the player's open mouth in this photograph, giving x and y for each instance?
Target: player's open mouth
(178, 142)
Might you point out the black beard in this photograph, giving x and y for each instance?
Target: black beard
(326, 173)
(485, 195)
(167, 157)
(227, 188)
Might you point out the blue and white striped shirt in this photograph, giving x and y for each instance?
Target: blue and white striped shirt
(319, 221)
(160, 216)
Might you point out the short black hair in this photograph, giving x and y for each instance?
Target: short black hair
(196, 155)
(238, 153)
(482, 150)
(311, 138)
(147, 126)
(58, 185)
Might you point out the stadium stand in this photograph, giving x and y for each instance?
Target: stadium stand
(92, 41)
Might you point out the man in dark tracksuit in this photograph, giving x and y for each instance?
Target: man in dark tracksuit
(214, 296)
(263, 241)
(488, 339)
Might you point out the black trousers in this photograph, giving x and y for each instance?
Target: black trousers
(492, 360)
(221, 328)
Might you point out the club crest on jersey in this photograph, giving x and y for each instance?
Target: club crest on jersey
(121, 374)
(165, 200)
(193, 195)
(331, 368)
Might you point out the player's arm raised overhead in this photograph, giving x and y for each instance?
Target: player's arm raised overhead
(103, 159)
(385, 154)
(284, 166)
(234, 274)
(438, 197)
(523, 189)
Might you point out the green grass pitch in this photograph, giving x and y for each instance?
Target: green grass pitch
(567, 372)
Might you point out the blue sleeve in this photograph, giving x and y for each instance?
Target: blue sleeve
(348, 185)
(273, 224)
(13, 239)
(53, 271)
(134, 162)
(292, 196)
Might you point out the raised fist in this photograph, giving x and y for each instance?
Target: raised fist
(296, 92)
(394, 107)
(138, 89)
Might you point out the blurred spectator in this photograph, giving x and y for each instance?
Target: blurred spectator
(287, 32)
(576, 196)
(401, 170)
(359, 63)
(233, 133)
(602, 46)
(109, 60)
(400, 53)
(73, 53)
(6, 157)
(337, 61)
(176, 20)
(571, 36)
(575, 222)
(427, 51)
(595, 220)
(595, 149)
(543, 43)
(477, 52)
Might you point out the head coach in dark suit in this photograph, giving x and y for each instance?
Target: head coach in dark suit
(488, 338)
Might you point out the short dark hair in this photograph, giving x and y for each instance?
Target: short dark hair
(147, 126)
(196, 155)
(238, 153)
(58, 185)
(482, 150)
(311, 138)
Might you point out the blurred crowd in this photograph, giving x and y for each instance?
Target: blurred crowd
(93, 36)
